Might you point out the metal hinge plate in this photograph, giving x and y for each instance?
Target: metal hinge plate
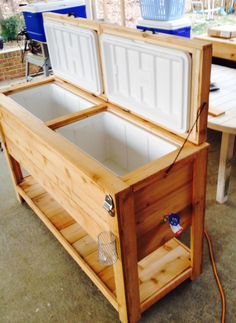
(109, 205)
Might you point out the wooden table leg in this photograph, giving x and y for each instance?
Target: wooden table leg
(226, 154)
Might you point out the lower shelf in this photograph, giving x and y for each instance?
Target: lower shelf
(159, 272)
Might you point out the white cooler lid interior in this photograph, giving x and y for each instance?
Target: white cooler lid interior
(52, 5)
(149, 80)
(74, 54)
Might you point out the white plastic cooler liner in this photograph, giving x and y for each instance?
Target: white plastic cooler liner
(52, 5)
(116, 143)
(74, 55)
(50, 101)
(150, 80)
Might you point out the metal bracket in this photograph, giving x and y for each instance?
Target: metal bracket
(109, 205)
(164, 219)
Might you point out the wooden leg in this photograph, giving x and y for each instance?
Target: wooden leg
(198, 212)
(16, 174)
(14, 167)
(226, 154)
(126, 268)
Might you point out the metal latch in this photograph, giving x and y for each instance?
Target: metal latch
(109, 205)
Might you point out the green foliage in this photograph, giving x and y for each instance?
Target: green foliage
(10, 27)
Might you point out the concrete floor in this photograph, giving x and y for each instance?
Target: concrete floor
(41, 283)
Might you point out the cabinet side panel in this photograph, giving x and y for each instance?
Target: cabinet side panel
(171, 193)
(69, 188)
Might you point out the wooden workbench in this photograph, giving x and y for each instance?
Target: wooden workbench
(222, 48)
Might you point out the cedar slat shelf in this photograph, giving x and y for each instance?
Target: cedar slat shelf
(159, 272)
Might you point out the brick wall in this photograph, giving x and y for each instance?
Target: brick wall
(11, 65)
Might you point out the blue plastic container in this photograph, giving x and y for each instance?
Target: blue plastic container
(162, 9)
(180, 27)
(181, 32)
(34, 19)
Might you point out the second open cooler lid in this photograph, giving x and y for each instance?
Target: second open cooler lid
(74, 53)
(149, 80)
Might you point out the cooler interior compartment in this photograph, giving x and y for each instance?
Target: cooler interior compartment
(115, 142)
(50, 101)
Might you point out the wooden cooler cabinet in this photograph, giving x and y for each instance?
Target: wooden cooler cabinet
(104, 144)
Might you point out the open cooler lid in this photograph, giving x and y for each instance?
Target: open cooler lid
(74, 54)
(148, 79)
(52, 5)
